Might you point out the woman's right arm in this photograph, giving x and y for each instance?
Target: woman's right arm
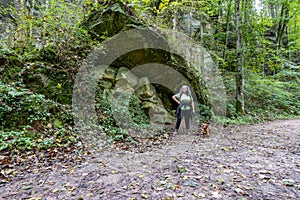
(175, 99)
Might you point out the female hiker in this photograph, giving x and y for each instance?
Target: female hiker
(186, 107)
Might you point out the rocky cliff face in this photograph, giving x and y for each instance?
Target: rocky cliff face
(148, 69)
(120, 81)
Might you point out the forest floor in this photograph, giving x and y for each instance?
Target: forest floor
(260, 161)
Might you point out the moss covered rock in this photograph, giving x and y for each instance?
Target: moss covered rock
(110, 20)
(12, 67)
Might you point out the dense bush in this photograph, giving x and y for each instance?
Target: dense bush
(50, 33)
(29, 121)
(269, 97)
(107, 119)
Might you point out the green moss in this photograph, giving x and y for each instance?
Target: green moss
(48, 54)
(109, 21)
(13, 68)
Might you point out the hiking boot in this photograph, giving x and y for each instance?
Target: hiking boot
(175, 132)
(187, 131)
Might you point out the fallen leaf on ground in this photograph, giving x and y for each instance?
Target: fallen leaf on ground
(289, 182)
(215, 194)
(72, 189)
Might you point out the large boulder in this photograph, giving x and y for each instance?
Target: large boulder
(125, 79)
(111, 20)
(110, 74)
(145, 91)
(154, 108)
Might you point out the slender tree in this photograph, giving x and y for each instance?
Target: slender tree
(240, 108)
(228, 15)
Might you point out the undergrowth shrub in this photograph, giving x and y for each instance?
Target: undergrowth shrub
(31, 122)
(51, 33)
(271, 98)
(107, 116)
(266, 98)
(21, 107)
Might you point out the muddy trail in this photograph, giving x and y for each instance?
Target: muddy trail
(260, 161)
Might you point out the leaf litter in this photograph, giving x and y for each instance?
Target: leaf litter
(259, 161)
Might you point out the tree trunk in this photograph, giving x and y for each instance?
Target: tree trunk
(283, 21)
(240, 108)
(227, 28)
(175, 19)
(272, 10)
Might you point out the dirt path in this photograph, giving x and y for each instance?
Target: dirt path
(244, 162)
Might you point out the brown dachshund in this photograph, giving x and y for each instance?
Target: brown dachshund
(205, 129)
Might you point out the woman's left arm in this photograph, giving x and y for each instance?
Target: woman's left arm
(193, 106)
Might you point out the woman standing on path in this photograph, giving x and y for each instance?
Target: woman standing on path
(186, 107)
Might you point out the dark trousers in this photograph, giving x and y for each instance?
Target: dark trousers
(186, 115)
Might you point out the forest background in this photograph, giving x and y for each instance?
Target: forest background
(255, 44)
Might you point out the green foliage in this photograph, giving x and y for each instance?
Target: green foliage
(49, 40)
(29, 121)
(205, 113)
(107, 115)
(51, 80)
(17, 142)
(54, 27)
(106, 118)
(266, 98)
(19, 103)
(272, 97)
(138, 115)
